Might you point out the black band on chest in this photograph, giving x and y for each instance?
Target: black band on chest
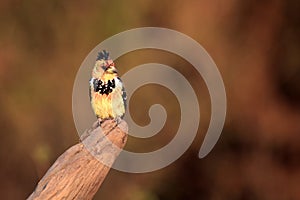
(102, 87)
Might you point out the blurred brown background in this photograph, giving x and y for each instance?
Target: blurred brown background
(255, 44)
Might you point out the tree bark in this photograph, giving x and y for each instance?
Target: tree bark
(79, 172)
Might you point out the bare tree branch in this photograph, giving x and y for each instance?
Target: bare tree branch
(78, 173)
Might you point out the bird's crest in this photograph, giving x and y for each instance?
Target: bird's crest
(103, 55)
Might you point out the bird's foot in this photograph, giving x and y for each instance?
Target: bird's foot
(118, 120)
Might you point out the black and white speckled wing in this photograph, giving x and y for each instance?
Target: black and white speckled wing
(124, 94)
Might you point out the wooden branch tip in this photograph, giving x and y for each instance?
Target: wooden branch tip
(79, 171)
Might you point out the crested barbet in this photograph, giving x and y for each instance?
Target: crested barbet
(107, 93)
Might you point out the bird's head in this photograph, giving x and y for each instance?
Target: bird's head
(103, 65)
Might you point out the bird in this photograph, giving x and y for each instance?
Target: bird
(106, 90)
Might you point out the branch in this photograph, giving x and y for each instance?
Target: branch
(78, 173)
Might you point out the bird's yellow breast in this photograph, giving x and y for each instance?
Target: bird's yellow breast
(108, 106)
